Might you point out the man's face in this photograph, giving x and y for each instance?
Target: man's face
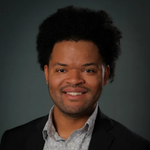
(75, 77)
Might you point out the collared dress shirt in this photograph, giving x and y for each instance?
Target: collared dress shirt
(78, 140)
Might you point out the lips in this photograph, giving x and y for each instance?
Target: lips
(75, 91)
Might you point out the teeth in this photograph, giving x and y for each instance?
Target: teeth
(74, 93)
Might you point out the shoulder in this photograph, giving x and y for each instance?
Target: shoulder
(127, 137)
(29, 127)
(121, 137)
(24, 131)
(120, 130)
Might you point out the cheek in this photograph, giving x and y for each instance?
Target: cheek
(95, 82)
(55, 82)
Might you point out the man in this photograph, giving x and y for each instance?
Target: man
(77, 50)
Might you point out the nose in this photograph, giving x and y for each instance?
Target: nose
(75, 78)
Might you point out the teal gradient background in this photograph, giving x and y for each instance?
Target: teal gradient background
(23, 91)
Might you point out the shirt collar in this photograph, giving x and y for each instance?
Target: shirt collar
(49, 129)
(91, 121)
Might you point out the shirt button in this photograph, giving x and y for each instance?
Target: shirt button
(68, 144)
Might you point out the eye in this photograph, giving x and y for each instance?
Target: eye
(61, 70)
(89, 70)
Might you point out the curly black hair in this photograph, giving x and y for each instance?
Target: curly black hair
(73, 23)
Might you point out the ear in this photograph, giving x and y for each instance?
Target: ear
(46, 73)
(106, 75)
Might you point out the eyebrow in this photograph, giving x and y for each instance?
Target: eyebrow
(60, 64)
(90, 64)
(87, 64)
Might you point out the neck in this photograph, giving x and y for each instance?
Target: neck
(65, 125)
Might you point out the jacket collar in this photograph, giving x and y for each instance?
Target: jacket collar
(35, 140)
(101, 139)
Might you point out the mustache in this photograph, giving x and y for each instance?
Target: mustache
(74, 86)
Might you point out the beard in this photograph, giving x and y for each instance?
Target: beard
(74, 111)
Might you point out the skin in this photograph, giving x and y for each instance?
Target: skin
(75, 76)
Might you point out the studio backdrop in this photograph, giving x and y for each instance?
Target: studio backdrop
(23, 90)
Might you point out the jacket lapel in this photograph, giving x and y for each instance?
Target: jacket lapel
(101, 139)
(35, 141)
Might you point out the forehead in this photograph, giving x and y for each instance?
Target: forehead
(71, 51)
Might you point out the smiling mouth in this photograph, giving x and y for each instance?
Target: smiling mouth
(74, 93)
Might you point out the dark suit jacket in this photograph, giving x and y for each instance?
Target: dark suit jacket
(107, 135)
